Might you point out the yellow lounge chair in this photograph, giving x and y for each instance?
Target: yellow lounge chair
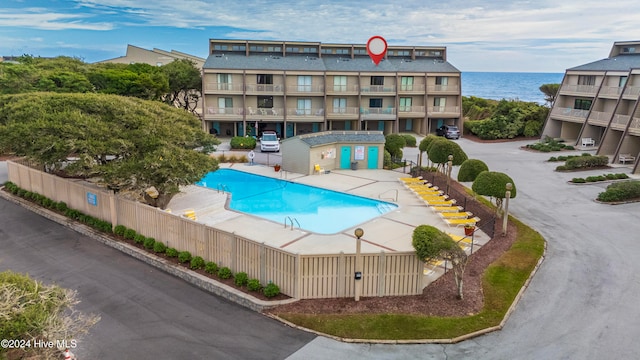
(427, 191)
(446, 208)
(462, 222)
(455, 215)
(418, 179)
(440, 202)
(433, 197)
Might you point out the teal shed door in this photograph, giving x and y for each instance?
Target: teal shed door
(372, 157)
(345, 157)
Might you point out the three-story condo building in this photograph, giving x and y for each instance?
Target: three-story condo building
(303, 87)
(597, 105)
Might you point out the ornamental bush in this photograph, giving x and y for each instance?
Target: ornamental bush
(253, 285)
(394, 144)
(62, 206)
(580, 162)
(184, 256)
(470, 169)
(241, 278)
(159, 247)
(621, 191)
(211, 267)
(129, 234)
(171, 252)
(243, 142)
(149, 243)
(119, 230)
(224, 273)
(271, 290)
(139, 238)
(197, 263)
(410, 140)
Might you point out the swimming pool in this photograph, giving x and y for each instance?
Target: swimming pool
(311, 208)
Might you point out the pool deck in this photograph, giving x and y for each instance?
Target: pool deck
(389, 232)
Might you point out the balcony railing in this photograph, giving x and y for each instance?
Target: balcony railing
(620, 121)
(567, 112)
(226, 111)
(632, 91)
(581, 89)
(223, 87)
(411, 88)
(378, 111)
(443, 88)
(266, 88)
(342, 111)
(342, 89)
(611, 91)
(379, 88)
(305, 112)
(305, 89)
(444, 109)
(411, 109)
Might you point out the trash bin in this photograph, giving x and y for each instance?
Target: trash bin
(354, 165)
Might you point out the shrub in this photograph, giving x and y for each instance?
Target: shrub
(171, 252)
(129, 234)
(394, 144)
(159, 247)
(62, 206)
(224, 273)
(271, 290)
(622, 176)
(211, 267)
(621, 191)
(21, 192)
(470, 169)
(184, 256)
(241, 278)
(595, 178)
(553, 158)
(610, 176)
(119, 230)
(580, 162)
(253, 285)
(149, 243)
(139, 238)
(410, 140)
(578, 180)
(197, 263)
(562, 168)
(242, 142)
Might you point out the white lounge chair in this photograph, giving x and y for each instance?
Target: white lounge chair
(588, 142)
(623, 158)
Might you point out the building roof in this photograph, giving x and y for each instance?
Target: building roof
(332, 137)
(623, 62)
(326, 63)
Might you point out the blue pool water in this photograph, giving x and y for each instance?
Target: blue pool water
(315, 209)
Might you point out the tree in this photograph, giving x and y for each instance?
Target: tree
(424, 145)
(32, 311)
(493, 184)
(131, 144)
(440, 149)
(470, 169)
(549, 91)
(185, 84)
(432, 244)
(394, 144)
(138, 80)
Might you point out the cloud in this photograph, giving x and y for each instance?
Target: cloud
(43, 19)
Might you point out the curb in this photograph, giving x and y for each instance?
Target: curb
(193, 278)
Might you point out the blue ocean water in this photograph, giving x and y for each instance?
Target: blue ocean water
(521, 86)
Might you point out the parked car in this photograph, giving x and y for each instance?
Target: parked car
(269, 141)
(448, 131)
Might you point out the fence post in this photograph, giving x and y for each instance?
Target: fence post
(381, 272)
(112, 208)
(341, 275)
(263, 264)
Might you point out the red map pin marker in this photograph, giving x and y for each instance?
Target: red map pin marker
(376, 47)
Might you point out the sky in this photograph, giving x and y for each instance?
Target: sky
(493, 36)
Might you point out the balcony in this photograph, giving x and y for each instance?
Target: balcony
(634, 127)
(343, 90)
(443, 89)
(578, 90)
(599, 118)
(305, 90)
(620, 122)
(411, 111)
(406, 89)
(264, 89)
(444, 111)
(631, 92)
(610, 92)
(569, 114)
(227, 113)
(343, 113)
(378, 89)
(223, 88)
(388, 113)
(305, 115)
(270, 114)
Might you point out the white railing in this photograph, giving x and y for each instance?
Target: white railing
(443, 88)
(223, 87)
(583, 89)
(444, 109)
(621, 120)
(265, 87)
(414, 109)
(379, 88)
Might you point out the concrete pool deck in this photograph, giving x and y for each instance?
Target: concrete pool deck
(389, 232)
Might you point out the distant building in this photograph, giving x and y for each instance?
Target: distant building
(155, 57)
(298, 88)
(597, 105)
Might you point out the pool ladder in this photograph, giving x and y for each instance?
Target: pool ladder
(222, 188)
(291, 220)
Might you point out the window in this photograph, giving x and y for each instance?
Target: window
(622, 81)
(582, 104)
(304, 107)
(339, 105)
(340, 83)
(405, 104)
(239, 48)
(220, 47)
(377, 80)
(265, 79)
(586, 80)
(360, 51)
(401, 53)
(304, 83)
(310, 50)
(406, 83)
(442, 80)
(628, 50)
(265, 102)
(327, 51)
(224, 81)
(224, 103)
(291, 49)
(375, 103)
(439, 103)
(342, 51)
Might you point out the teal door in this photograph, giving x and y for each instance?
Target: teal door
(345, 157)
(372, 157)
(289, 132)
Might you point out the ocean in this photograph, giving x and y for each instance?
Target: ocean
(521, 86)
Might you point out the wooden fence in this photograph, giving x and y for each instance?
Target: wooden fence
(297, 275)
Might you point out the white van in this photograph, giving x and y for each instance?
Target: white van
(269, 141)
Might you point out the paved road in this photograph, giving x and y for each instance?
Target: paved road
(582, 304)
(146, 313)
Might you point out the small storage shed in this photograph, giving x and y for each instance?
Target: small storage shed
(330, 150)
